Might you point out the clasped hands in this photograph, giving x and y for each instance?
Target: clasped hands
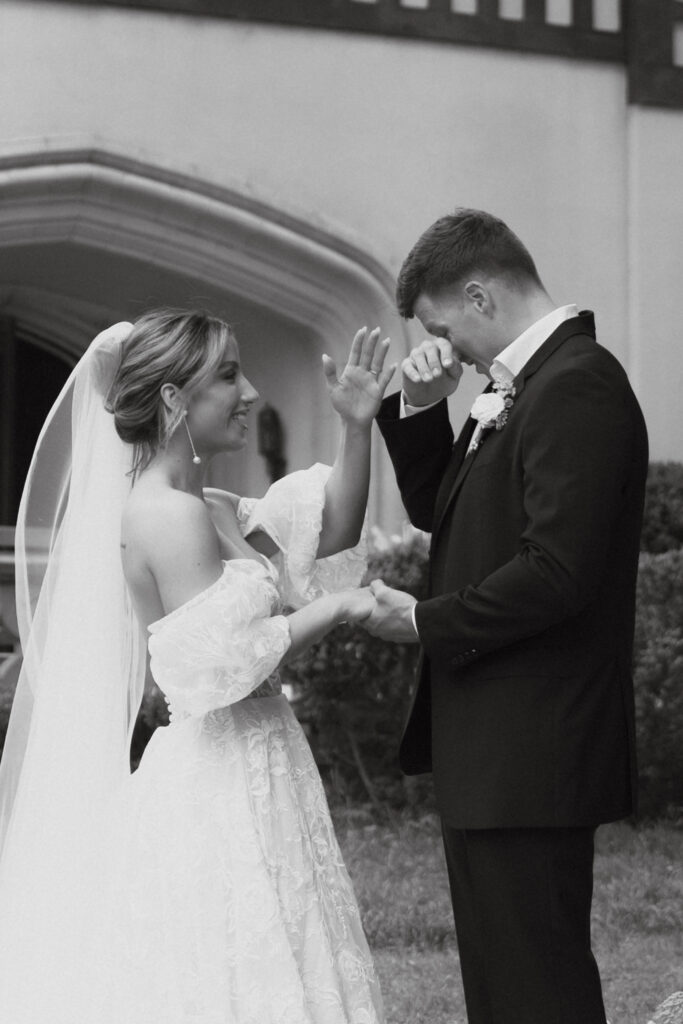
(383, 612)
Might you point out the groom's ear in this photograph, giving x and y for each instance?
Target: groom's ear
(478, 296)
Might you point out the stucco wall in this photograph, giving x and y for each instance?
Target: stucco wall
(372, 139)
(655, 281)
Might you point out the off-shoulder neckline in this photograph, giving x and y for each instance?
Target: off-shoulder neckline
(262, 563)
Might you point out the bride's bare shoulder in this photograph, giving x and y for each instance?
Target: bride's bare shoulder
(160, 521)
(149, 505)
(170, 548)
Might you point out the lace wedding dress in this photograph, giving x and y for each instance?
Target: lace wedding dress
(231, 903)
(234, 878)
(221, 895)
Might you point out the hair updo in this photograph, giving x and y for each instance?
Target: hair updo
(166, 346)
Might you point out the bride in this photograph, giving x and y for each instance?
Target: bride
(207, 887)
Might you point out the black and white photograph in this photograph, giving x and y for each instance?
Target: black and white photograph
(341, 512)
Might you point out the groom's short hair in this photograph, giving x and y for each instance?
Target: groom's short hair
(455, 246)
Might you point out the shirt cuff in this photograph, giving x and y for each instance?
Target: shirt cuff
(406, 410)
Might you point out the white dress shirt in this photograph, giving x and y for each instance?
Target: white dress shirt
(510, 361)
(514, 358)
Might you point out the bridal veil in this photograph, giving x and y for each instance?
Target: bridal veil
(80, 686)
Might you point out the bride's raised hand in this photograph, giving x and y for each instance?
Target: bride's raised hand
(357, 392)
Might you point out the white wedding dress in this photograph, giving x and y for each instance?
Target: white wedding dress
(221, 895)
(230, 902)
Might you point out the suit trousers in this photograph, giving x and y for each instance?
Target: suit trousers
(522, 902)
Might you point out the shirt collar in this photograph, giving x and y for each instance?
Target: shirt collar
(514, 358)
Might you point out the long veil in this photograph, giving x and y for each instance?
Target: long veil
(80, 687)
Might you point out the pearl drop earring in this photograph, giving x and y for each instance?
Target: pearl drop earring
(195, 458)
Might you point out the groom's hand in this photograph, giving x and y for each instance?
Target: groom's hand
(391, 618)
(432, 371)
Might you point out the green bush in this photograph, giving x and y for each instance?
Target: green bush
(352, 691)
(658, 672)
(663, 519)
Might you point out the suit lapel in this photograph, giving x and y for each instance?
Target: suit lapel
(460, 465)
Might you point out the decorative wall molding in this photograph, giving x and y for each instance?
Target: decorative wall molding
(184, 225)
(638, 33)
(435, 20)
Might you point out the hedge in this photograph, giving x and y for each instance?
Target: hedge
(663, 519)
(351, 691)
(658, 676)
(354, 690)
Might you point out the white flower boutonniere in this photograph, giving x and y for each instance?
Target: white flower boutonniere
(491, 410)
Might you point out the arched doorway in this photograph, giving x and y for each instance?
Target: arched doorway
(87, 239)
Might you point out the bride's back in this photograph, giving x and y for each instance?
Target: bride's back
(174, 543)
(170, 547)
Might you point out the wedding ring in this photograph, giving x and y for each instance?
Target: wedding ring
(374, 373)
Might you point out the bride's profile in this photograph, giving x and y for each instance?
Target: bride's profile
(207, 887)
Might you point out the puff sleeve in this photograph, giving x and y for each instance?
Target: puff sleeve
(221, 645)
(291, 513)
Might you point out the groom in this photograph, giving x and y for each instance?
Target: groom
(524, 704)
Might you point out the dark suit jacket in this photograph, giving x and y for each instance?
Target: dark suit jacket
(524, 704)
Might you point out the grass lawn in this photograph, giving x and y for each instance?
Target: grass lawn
(400, 879)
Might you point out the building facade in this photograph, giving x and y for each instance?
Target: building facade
(274, 161)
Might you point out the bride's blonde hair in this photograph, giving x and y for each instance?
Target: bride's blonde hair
(166, 346)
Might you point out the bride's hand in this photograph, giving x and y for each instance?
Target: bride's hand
(357, 393)
(357, 604)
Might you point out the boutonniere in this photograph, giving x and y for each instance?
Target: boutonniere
(491, 410)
